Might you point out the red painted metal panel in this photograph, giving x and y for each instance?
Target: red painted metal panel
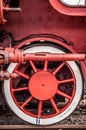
(45, 19)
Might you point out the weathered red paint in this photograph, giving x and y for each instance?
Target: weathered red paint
(45, 19)
(18, 56)
(5, 8)
(42, 90)
(39, 20)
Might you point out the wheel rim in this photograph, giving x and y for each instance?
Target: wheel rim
(37, 77)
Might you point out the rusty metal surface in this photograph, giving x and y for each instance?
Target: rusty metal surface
(27, 127)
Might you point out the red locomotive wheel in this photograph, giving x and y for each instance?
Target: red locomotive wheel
(36, 94)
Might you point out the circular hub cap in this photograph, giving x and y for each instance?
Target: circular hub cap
(43, 85)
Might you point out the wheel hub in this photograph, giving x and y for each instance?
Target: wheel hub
(43, 85)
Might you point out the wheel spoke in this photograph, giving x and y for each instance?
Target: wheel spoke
(33, 66)
(63, 94)
(22, 74)
(20, 89)
(54, 105)
(27, 101)
(58, 68)
(45, 65)
(40, 108)
(66, 81)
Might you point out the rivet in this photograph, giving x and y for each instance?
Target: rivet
(71, 19)
(50, 19)
(82, 19)
(49, 9)
(40, 19)
(29, 19)
(60, 19)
